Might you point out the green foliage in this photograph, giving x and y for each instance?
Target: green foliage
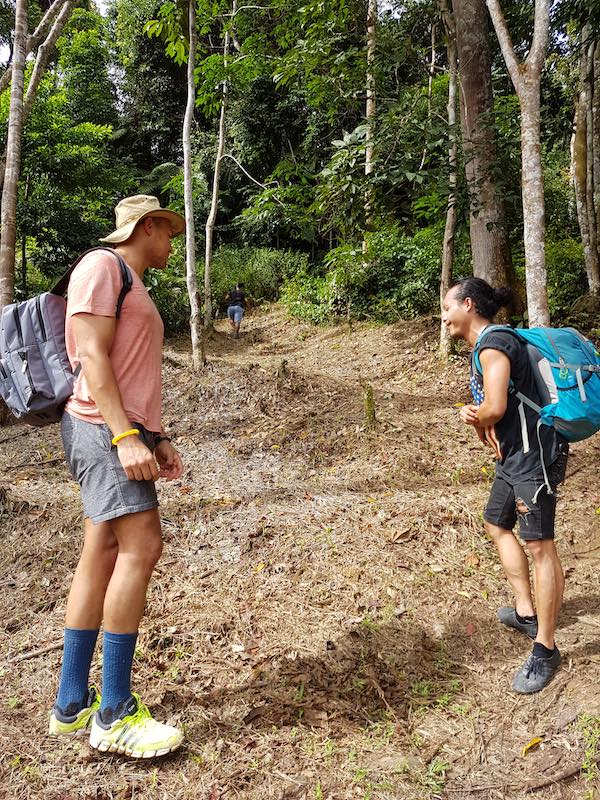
(566, 273)
(340, 196)
(152, 89)
(260, 269)
(308, 297)
(213, 22)
(83, 61)
(398, 278)
(69, 179)
(561, 216)
(169, 292)
(589, 727)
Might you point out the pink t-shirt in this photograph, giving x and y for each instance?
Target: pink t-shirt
(136, 352)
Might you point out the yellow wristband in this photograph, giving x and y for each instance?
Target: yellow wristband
(132, 432)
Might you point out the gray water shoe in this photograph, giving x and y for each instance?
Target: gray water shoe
(508, 617)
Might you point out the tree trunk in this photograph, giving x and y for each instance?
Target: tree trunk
(370, 108)
(212, 214)
(526, 79)
(430, 87)
(579, 175)
(590, 147)
(596, 157)
(450, 227)
(190, 233)
(41, 62)
(582, 169)
(534, 224)
(13, 159)
(490, 247)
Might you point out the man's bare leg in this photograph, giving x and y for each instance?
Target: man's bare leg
(516, 567)
(93, 573)
(83, 619)
(549, 584)
(139, 548)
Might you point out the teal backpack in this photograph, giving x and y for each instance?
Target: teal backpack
(566, 370)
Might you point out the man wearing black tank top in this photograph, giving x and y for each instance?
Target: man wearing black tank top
(236, 306)
(519, 491)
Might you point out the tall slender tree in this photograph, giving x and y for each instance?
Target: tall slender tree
(585, 156)
(214, 204)
(450, 226)
(190, 233)
(36, 38)
(526, 78)
(371, 107)
(487, 225)
(8, 216)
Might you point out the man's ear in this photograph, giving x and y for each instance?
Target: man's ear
(468, 304)
(148, 225)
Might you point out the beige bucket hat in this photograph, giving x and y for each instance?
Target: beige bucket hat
(132, 209)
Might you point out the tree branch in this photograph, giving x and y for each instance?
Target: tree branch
(245, 8)
(40, 32)
(247, 174)
(448, 17)
(541, 23)
(43, 55)
(506, 45)
(35, 38)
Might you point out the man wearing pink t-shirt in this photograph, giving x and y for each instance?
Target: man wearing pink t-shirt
(116, 448)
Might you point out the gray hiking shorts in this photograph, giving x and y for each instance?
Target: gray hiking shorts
(106, 491)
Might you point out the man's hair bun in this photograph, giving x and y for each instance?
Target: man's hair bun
(503, 296)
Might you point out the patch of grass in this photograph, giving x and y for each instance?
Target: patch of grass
(590, 730)
(433, 779)
(382, 733)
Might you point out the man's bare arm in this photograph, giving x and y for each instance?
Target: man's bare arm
(496, 377)
(94, 337)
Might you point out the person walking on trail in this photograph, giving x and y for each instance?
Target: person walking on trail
(116, 449)
(519, 491)
(236, 300)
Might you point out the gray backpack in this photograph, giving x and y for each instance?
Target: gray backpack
(36, 378)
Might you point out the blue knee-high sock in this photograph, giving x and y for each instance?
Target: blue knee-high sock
(117, 659)
(77, 657)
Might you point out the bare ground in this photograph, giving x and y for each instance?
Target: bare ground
(322, 622)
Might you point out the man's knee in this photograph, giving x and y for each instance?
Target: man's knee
(494, 532)
(100, 544)
(143, 558)
(153, 550)
(140, 539)
(542, 549)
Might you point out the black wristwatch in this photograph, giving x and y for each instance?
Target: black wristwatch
(158, 439)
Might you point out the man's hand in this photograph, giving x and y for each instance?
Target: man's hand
(137, 460)
(468, 415)
(169, 460)
(488, 436)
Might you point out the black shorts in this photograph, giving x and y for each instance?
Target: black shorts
(533, 506)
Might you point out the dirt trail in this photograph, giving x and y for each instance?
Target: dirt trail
(322, 621)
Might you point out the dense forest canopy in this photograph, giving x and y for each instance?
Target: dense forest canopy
(336, 173)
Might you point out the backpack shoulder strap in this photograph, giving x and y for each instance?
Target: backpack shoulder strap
(482, 335)
(127, 281)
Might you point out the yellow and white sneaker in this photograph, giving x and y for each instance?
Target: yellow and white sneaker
(77, 724)
(134, 733)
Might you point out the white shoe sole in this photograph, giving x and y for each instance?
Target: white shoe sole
(107, 747)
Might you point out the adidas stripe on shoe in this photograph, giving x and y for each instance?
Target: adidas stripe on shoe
(134, 733)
